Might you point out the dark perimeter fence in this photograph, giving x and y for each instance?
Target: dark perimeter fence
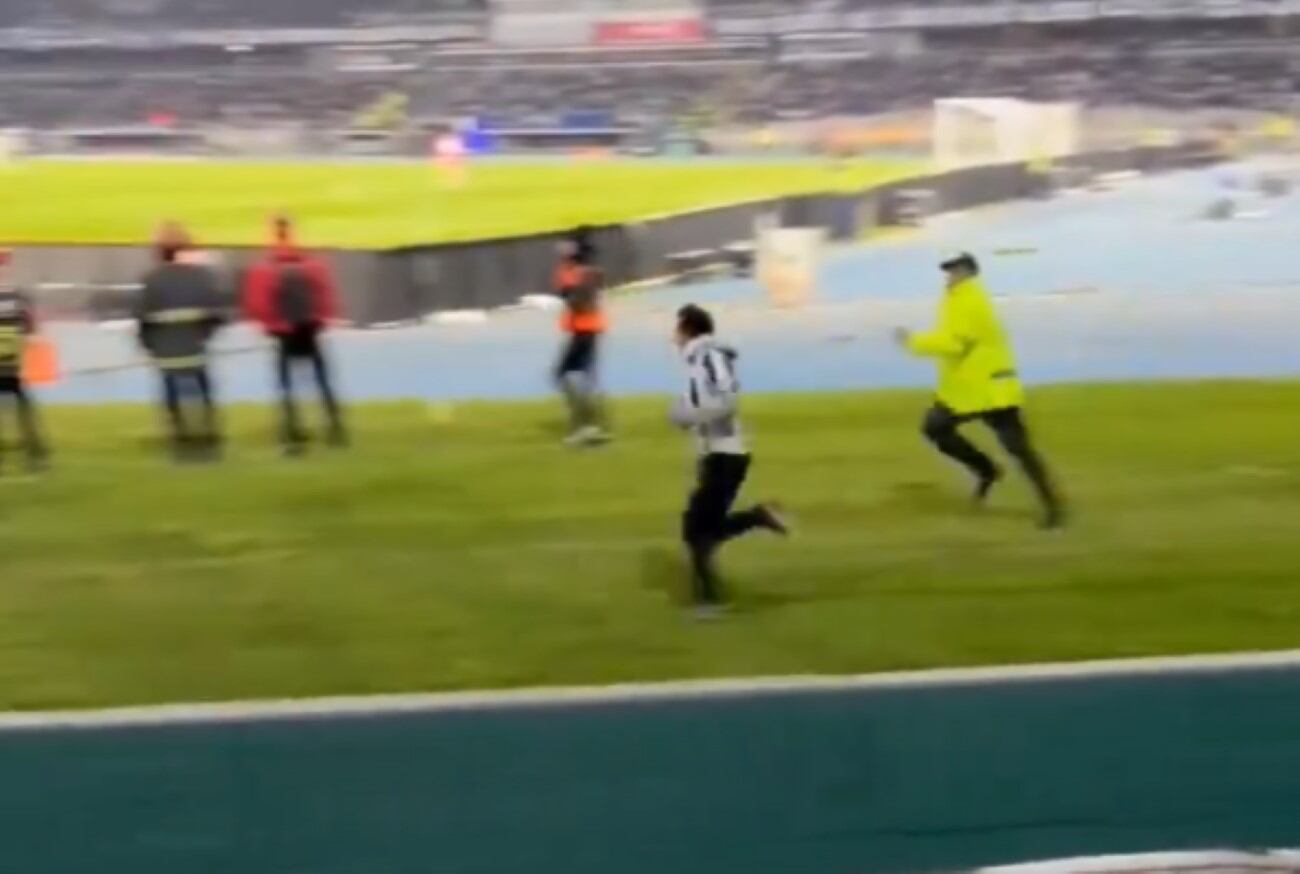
(408, 283)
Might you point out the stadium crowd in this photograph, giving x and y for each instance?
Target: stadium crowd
(747, 91)
(1170, 64)
(221, 13)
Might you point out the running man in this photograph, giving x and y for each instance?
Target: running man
(978, 381)
(709, 409)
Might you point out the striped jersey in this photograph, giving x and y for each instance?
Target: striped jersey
(710, 404)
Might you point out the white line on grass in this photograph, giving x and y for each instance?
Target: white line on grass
(688, 690)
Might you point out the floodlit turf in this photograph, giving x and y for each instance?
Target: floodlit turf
(370, 205)
(475, 552)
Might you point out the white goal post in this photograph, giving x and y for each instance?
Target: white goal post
(974, 131)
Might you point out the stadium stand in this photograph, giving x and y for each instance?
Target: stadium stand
(223, 13)
(49, 88)
(801, 74)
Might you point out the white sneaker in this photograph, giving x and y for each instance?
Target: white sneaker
(710, 612)
(775, 519)
(589, 435)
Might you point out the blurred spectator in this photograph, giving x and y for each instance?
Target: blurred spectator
(17, 324)
(292, 296)
(179, 309)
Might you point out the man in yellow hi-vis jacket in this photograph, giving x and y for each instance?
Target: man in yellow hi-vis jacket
(978, 380)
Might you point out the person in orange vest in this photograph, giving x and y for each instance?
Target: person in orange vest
(17, 323)
(579, 283)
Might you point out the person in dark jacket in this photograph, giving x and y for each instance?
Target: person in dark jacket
(17, 323)
(292, 296)
(179, 309)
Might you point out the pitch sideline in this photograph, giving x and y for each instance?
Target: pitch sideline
(671, 691)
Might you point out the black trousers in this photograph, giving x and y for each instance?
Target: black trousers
(575, 374)
(184, 388)
(302, 346)
(708, 522)
(578, 355)
(14, 394)
(941, 429)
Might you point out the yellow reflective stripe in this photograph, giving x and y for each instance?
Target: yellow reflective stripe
(12, 340)
(183, 362)
(178, 316)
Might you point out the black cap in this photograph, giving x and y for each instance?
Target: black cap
(962, 261)
(583, 247)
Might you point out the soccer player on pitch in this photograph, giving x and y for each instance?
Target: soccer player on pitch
(978, 381)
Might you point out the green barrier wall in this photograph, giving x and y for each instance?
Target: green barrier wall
(898, 779)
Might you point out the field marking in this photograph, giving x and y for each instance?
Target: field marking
(641, 693)
(1208, 861)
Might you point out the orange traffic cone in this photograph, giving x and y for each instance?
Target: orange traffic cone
(40, 361)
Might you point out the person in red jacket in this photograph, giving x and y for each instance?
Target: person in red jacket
(293, 297)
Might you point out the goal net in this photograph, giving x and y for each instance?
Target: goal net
(969, 132)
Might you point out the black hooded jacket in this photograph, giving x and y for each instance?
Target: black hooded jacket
(180, 308)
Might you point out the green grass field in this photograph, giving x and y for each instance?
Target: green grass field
(360, 205)
(475, 552)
